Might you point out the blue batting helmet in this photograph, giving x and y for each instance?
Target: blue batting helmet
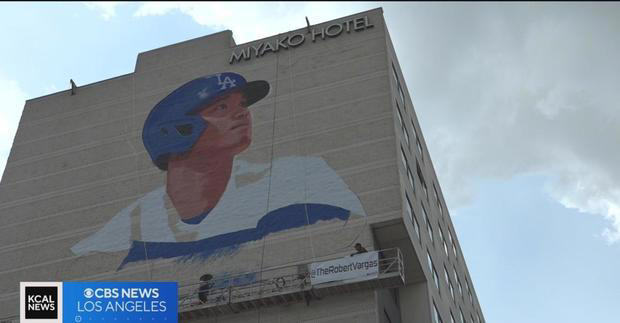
(174, 125)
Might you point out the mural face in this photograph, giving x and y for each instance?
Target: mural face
(230, 126)
(207, 206)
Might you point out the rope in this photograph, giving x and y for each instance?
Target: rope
(301, 152)
(273, 135)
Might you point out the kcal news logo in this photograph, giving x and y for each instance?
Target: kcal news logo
(40, 302)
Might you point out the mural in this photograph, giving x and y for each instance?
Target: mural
(196, 135)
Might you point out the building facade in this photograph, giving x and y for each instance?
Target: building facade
(240, 166)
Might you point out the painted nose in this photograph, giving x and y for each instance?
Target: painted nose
(241, 112)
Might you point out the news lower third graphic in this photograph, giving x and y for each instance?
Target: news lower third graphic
(99, 302)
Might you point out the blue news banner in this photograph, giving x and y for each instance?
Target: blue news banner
(119, 302)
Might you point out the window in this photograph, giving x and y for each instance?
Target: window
(399, 115)
(467, 287)
(397, 81)
(417, 143)
(415, 133)
(416, 227)
(406, 135)
(403, 158)
(430, 261)
(408, 206)
(456, 276)
(436, 280)
(430, 231)
(445, 272)
(451, 317)
(395, 75)
(422, 181)
(440, 232)
(424, 214)
(436, 316)
(451, 290)
(443, 241)
(437, 200)
(454, 250)
(410, 178)
(458, 281)
(401, 94)
(462, 317)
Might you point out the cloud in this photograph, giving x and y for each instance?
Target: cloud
(251, 21)
(507, 90)
(13, 99)
(107, 9)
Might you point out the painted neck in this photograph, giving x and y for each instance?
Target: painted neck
(196, 185)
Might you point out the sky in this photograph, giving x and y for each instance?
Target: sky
(518, 104)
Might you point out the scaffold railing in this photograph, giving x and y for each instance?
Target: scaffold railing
(277, 285)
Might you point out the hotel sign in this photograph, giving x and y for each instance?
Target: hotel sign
(297, 39)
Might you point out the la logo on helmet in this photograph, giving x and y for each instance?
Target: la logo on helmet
(226, 83)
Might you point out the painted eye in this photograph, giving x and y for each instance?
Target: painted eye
(222, 107)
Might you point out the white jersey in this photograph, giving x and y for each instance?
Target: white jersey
(294, 180)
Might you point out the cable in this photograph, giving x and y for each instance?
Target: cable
(273, 135)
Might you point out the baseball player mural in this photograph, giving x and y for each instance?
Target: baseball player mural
(196, 134)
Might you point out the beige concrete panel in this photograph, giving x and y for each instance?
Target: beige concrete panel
(70, 201)
(180, 73)
(329, 53)
(9, 306)
(333, 307)
(187, 50)
(381, 201)
(70, 140)
(331, 74)
(41, 251)
(417, 298)
(345, 136)
(341, 241)
(340, 93)
(86, 96)
(9, 282)
(28, 169)
(145, 101)
(68, 122)
(372, 178)
(104, 264)
(364, 153)
(89, 219)
(67, 180)
(337, 116)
